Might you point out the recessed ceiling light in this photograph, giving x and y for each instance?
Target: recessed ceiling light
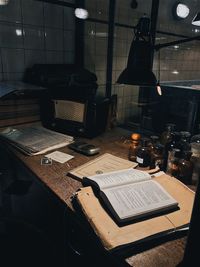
(180, 11)
(18, 32)
(4, 2)
(81, 13)
(176, 46)
(175, 72)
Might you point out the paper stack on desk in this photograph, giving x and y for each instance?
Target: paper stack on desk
(35, 140)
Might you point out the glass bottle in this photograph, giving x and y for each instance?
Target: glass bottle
(135, 143)
(166, 135)
(154, 140)
(195, 158)
(185, 168)
(143, 154)
(173, 162)
(196, 139)
(157, 157)
(185, 141)
(170, 145)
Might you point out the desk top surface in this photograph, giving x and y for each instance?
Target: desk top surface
(55, 178)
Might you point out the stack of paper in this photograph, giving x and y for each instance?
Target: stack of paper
(35, 140)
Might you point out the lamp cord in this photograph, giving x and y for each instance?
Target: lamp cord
(159, 66)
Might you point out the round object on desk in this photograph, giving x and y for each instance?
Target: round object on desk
(135, 136)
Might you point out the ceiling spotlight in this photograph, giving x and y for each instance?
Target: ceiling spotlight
(196, 20)
(81, 13)
(180, 11)
(3, 2)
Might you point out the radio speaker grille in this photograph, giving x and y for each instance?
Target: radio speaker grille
(69, 110)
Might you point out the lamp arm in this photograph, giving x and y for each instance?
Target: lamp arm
(159, 46)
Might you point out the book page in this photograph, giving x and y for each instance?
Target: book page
(120, 177)
(136, 199)
(102, 164)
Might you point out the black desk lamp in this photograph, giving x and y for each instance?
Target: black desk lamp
(139, 64)
(140, 60)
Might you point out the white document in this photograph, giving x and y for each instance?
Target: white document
(59, 156)
(35, 140)
(102, 164)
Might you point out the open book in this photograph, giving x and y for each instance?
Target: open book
(114, 237)
(131, 194)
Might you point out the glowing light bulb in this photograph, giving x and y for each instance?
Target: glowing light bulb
(81, 13)
(159, 90)
(3, 2)
(182, 11)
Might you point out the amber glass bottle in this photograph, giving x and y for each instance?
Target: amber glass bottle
(143, 154)
(135, 143)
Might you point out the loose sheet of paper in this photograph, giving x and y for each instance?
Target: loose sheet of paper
(102, 164)
(59, 156)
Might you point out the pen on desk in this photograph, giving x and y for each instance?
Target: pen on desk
(68, 165)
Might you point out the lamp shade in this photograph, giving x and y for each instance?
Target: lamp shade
(139, 70)
(196, 20)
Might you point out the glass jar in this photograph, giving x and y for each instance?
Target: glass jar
(135, 143)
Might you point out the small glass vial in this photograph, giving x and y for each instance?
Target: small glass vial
(135, 143)
(143, 154)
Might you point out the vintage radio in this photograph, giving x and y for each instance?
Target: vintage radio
(75, 116)
(70, 105)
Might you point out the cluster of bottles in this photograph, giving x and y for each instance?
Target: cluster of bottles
(176, 153)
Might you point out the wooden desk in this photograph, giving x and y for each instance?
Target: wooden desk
(54, 177)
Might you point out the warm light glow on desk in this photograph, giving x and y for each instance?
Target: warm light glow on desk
(159, 90)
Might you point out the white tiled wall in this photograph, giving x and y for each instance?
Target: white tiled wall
(34, 32)
(96, 37)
